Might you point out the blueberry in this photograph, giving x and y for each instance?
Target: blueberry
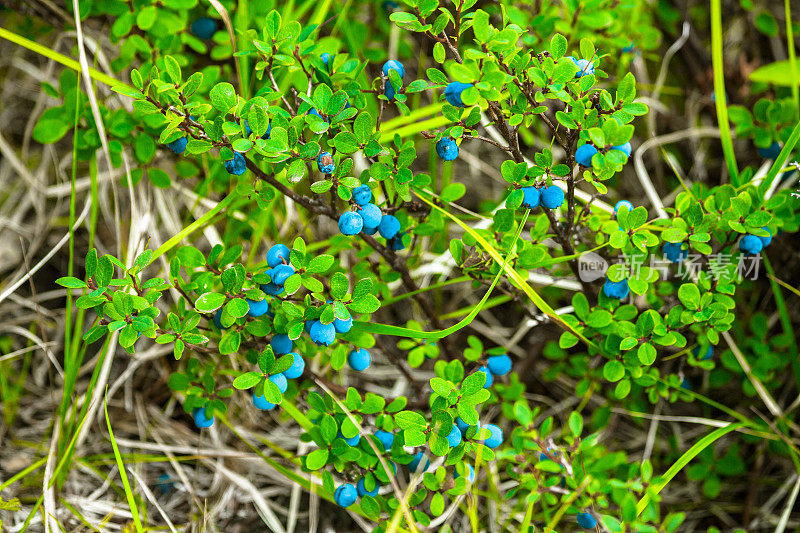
(447, 149)
(676, 251)
(709, 353)
(415, 465)
(530, 197)
(585, 67)
(325, 163)
(369, 231)
(249, 130)
(352, 441)
(454, 437)
(350, 223)
(218, 319)
(281, 344)
(616, 289)
(766, 240)
(394, 65)
(686, 384)
(280, 274)
(452, 92)
(326, 59)
(280, 381)
(396, 242)
(237, 165)
(389, 226)
(261, 402)
(273, 289)
(624, 148)
(371, 215)
(361, 487)
(584, 154)
(470, 473)
(770, 152)
(750, 244)
(313, 111)
(345, 495)
(499, 365)
(342, 326)
(495, 438)
(257, 308)
(201, 420)
(621, 203)
(322, 334)
(389, 5)
(278, 254)
(359, 359)
(385, 438)
(488, 382)
(362, 194)
(297, 368)
(388, 90)
(552, 197)
(462, 426)
(178, 145)
(586, 521)
(204, 27)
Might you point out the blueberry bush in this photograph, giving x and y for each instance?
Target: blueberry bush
(432, 265)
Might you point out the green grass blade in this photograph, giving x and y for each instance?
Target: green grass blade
(719, 91)
(682, 461)
(122, 474)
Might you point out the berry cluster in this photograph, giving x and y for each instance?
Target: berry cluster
(369, 218)
(752, 244)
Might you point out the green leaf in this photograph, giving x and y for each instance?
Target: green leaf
(613, 370)
(209, 301)
(223, 97)
(689, 295)
(317, 459)
(248, 380)
(71, 283)
(558, 46)
(173, 69)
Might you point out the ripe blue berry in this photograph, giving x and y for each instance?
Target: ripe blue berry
(530, 197)
(178, 145)
(271, 288)
(750, 244)
(322, 334)
(362, 194)
(396, 242)
(237, 165)
(394, 65)
(686, 384)
(415, 465)
(342, 326)
(326, 59)
(281, 344)
(766, 240)
(488, 382)
(352, 441)
(278, 254)
(218, 319)
(385, 438)
(345, 495)
(675, 251)
(257, 308)
(552, 197)
(371, 215)
(249, 130)
(452, 92)
(499, 365)
(454, 437)
(350, 223)
(280, 381)
(325, 163)
(624, 148)
(470, 474)
(447, 149)
(359, 359)
(770, 152)
(361, 487)
(584, 154)
(585, 67)
(369, 231)
(388, 90)
(280, 274)
(297, 368)
(462, 426)
(495, 438)
(586, 521)
(201, 420)
(204, 27)
(622, 203)
(616, 289)
(313, 111)
(261, 402)
(709, 353)
(389, 226)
